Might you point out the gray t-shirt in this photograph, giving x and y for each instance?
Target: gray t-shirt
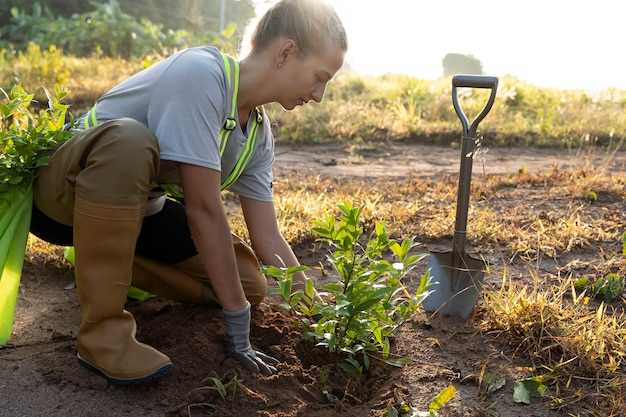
(183, 99)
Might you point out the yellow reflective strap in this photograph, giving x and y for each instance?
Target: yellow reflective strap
(223, 138)
(233, 110)
(233, 79)
(227, 68)
(243, 159)
(92, 114)
(86, 123)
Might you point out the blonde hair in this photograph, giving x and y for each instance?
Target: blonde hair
(307, 22)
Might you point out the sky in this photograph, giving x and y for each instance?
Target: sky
(550, 43)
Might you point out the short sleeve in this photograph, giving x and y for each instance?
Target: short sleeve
(256, 180)
(186, 110)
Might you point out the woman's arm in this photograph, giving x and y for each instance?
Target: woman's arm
(266, 239)
(211, 233)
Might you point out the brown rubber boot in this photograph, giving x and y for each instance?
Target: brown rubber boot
(104, 238)
(169, 282)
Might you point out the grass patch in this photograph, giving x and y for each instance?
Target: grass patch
(524, 215)
(579, 347)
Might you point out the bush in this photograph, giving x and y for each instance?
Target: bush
(34, 68)
(106, 30)
(362, 310)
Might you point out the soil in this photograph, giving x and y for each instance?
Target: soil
(40, 376)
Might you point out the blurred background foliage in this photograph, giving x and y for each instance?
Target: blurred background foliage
(88, 47)
(121, 28)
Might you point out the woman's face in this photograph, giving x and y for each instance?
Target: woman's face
(304, 78)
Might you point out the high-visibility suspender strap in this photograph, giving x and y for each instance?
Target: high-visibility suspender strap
(91, 119)
(231, 68)
(246, 154)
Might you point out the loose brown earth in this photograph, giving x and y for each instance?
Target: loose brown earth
(39, 374)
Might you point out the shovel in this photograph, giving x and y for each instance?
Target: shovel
(457, 277)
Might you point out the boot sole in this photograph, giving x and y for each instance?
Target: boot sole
(160, 373)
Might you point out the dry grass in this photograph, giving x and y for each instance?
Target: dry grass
(525, 215)
(579, 347)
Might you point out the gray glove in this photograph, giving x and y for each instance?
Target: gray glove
(238, 329)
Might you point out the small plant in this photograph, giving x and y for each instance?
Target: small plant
(26, 136)
(406, 410)
(362, 310)
(226, 390)
(607, 288)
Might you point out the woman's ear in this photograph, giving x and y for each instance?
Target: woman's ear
(287, 49)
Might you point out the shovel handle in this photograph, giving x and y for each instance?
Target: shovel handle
(473, 81)
(467, 152)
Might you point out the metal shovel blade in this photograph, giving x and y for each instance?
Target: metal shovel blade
(454, 291)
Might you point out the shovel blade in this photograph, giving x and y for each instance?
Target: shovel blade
(454, 291)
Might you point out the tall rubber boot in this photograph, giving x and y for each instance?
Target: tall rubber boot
(104, 239)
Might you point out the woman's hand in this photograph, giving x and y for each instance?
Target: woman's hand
(238, 329)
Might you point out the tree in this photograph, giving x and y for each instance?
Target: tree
(461, 64)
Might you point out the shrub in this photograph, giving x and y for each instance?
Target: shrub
(363, 309)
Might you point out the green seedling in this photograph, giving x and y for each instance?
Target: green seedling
(369, 301)
(608, 288)
(361, 311)
(436, 405)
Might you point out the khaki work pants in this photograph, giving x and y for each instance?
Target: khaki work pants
(116, 163)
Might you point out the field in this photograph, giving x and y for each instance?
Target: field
(547, 214)
(533, 217)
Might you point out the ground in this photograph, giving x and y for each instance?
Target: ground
(39, 374)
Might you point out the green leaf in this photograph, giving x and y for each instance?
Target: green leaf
(221, 389)
(609, 288)
(526, 389)
(396, 249)
(295, 269)
(42, 161)
(309, 289)
(386, 347)
(351, 366)
(442, 399)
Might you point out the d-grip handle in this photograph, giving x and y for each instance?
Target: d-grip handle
(473, 81)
